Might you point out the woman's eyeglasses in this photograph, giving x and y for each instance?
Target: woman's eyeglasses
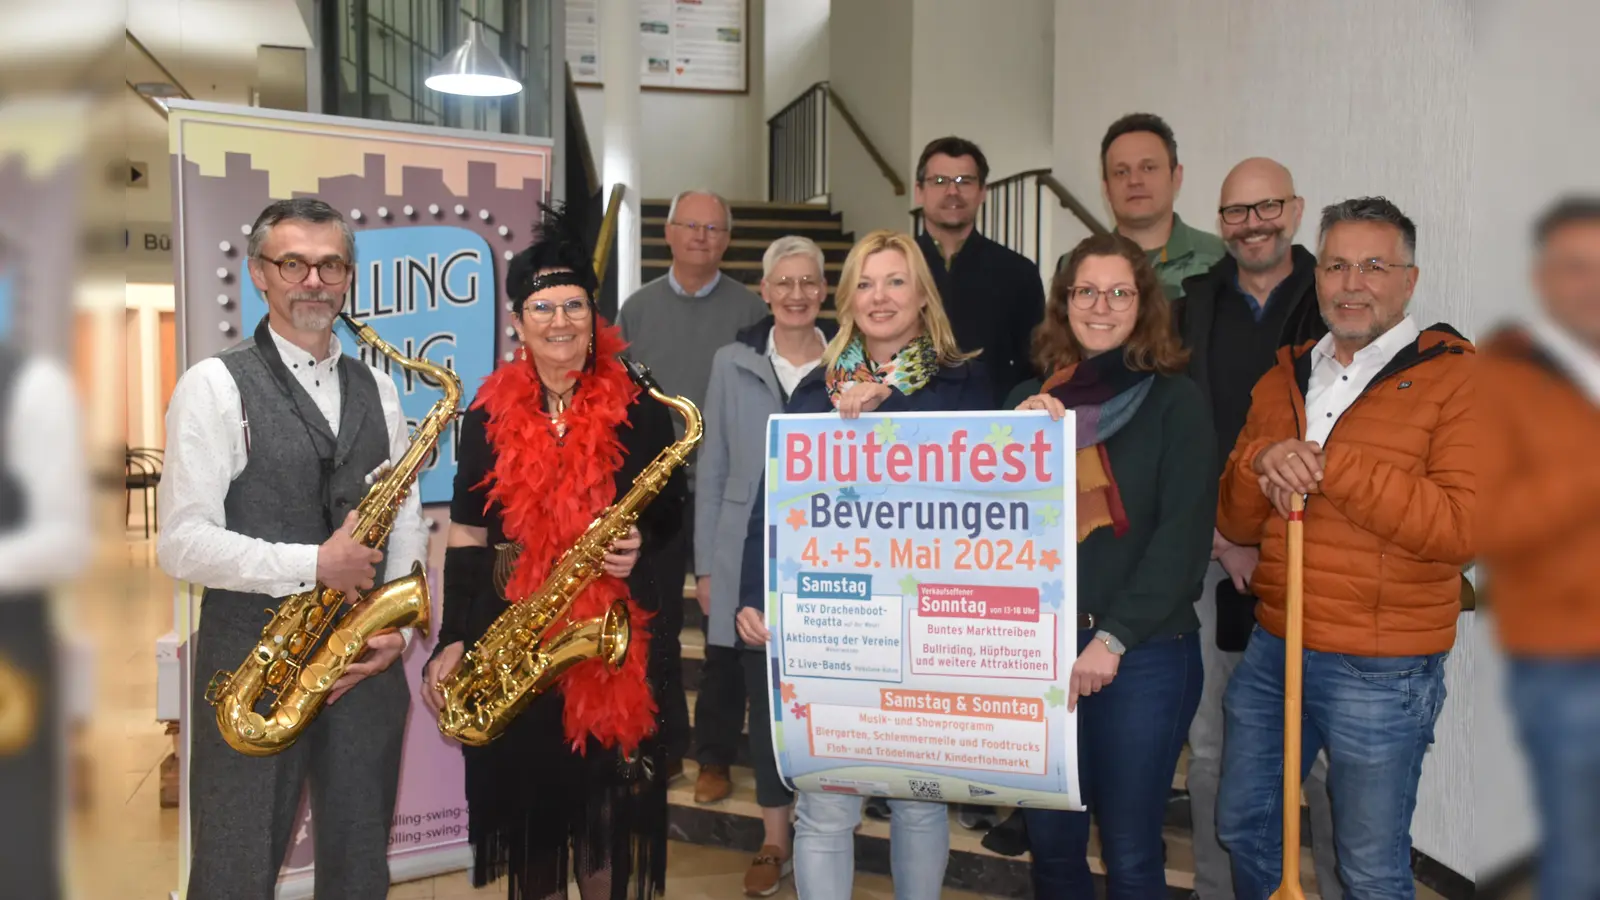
(1083, 296)
(545, 311)
(786, 287)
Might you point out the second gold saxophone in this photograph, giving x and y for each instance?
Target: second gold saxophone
(298, 657)
(522, 654)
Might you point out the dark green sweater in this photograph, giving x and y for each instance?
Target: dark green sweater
(1144, 584)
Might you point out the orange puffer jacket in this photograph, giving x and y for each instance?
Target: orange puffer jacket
(1390, 529)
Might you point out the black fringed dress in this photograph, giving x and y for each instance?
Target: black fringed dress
(530, 796)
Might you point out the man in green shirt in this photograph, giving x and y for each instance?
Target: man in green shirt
(1140, 172)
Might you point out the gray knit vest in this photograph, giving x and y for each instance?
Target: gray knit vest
(299, 481)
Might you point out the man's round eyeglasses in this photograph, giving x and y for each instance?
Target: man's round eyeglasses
(808, 288)
(295, 270)
(1266, 211)
(1118, 298)
(544, 311)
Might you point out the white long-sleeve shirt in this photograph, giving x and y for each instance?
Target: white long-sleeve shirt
(207, 450)
(1333, 387)
(46, 458)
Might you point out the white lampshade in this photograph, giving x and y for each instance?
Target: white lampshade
(474, 69)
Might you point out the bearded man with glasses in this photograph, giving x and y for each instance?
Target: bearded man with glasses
(1233, 318)
(269, 447)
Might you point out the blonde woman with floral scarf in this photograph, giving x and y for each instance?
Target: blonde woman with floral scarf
(894, 353)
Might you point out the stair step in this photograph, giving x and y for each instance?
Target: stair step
(656, 248)
(735, 823)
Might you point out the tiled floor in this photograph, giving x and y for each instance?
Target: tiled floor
(124, 845)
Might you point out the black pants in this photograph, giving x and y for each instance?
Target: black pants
(771, 792)
(666, 640)
(719, 707)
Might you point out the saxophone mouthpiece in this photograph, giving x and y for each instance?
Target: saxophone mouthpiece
(640, 373)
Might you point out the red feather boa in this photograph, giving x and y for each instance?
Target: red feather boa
(548, 495)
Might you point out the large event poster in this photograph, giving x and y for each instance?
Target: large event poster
(437, 215)
(694, 45)
(921, 593)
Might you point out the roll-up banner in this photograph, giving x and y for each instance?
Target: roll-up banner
(437, 215)
(922, 598)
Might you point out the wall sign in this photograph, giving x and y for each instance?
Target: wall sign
(685, 45)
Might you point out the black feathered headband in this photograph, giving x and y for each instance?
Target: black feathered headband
(559, 255)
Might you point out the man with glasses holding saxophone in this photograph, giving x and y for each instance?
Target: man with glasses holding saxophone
(271, 446)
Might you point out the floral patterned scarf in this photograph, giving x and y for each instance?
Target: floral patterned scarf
(908, 371)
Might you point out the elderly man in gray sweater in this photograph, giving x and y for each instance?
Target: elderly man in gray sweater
(675, 325)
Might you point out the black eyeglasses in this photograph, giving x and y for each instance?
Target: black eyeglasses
(1266, 211)
(295, 270)
(961, 182)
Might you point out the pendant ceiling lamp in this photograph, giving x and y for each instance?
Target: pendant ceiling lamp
(474, 69)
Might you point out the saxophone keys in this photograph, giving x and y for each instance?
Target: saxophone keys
(345, 643)
(316, 677)
(278, 673)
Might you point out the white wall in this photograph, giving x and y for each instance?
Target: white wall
(796, 50)
(1359, 97)
(984, 71)
(703, 141)
(869, 64)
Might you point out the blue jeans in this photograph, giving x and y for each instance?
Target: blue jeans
(825, 846)
(1557, 704)
(1374, 715)
(1129, 738)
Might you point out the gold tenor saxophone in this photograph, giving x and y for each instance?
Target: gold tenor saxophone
(293, 660)
(519, 657)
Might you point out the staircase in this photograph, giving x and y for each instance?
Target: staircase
(735, 822)
(755, 226)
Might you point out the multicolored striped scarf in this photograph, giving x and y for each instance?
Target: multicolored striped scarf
(907, 371)
(1105, 394)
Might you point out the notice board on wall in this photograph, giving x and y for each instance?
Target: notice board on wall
(684, 45)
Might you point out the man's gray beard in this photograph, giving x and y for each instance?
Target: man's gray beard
(305, 317)
(1280, 249)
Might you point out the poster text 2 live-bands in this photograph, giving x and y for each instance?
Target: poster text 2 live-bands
(921, 598)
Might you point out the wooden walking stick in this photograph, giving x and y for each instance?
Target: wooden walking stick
(1289, 888)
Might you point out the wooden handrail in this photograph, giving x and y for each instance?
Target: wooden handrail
(608, 228)
(575, 114)
(1072, 203)
(855, 128)
(1063, 196)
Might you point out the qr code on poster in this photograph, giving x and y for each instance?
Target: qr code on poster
(926, 790)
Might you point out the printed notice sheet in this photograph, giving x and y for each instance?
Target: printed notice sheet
(921, 594)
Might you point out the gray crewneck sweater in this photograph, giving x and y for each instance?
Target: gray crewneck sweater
(676, 336)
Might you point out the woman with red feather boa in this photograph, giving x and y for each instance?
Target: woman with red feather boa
(576, 782)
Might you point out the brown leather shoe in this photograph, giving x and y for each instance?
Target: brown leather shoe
(713, 784)
(767, 871)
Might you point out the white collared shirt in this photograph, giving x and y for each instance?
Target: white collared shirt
(788, 373)
(207, 449)
(1580, 361)
(1333, 387)
(47, 462)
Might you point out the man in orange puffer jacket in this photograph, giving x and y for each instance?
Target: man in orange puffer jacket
(1539, 537)
(1375, 425)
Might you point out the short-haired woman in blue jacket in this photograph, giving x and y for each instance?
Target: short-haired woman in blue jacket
(751, 379)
